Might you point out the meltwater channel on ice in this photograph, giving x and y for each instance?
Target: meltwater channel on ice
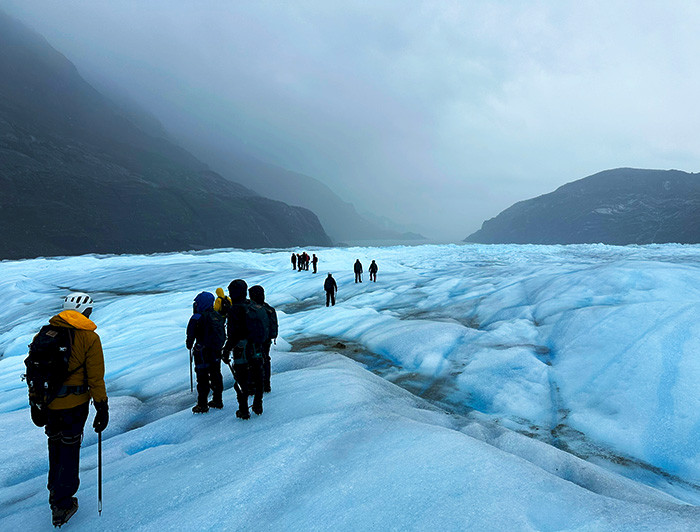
(470, 388)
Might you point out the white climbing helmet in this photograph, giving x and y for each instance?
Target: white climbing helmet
(77, 301)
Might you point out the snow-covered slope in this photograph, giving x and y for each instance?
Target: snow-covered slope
(505, 357)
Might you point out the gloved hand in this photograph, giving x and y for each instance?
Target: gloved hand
(38, 416)
(226, 357)
(101, 416)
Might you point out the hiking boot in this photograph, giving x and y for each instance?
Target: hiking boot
(243, 414)
(257, 408)
(200, 409)
(60, 516)
(216, 404)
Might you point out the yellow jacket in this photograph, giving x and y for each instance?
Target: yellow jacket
(220, 299)
(86, 351)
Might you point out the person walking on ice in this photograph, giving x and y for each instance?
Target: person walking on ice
(206, 336)
(294, 261)
(331, 287)
(358, 271)
(65, 369)
(257, 295)
(373, 271)
(314, 261)
(247, 330)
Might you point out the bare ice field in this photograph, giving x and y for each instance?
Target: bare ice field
(470, 388)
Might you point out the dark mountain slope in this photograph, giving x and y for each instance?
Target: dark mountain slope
(78, 176)
(340, 218)
(622, 206)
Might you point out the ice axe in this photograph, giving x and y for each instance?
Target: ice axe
(99, 473)
(191, 381)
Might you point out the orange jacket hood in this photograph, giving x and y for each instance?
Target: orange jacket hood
(73, 319)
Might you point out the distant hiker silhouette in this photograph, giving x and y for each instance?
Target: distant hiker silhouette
(206, 336)
(294, 261)
(314, 261)
(358, 271)
(373, 271)
(65, 369)
(331, 287)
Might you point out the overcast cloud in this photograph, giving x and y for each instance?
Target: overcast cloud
(436, 114)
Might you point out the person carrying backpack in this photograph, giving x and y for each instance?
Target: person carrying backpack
(314, 261)
(358, 271)
(257, 295)
(222, 303)
(373, 271)
(65, 369)
(205, 337)
(247, 330)
(331, 287)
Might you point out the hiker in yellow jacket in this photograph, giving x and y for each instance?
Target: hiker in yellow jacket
(65, 411)
(222, 304)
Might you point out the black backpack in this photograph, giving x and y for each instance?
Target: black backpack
(272, 319)
(225, 306)
(257, 323)
(213, 327)
(47, 364)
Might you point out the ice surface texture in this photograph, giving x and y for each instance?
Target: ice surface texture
(590, 349)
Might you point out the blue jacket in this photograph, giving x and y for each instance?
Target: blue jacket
(205, 328)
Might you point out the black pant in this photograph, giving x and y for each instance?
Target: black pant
(315, 268)
(358, 277)
(65, 431)
(207, 366)
(373, 276)
(330, 297)
(249, 381)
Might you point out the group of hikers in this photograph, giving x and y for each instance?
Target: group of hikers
(240, 332)
(331, 287)
(373, 268)
(301, 261)
(65, 369)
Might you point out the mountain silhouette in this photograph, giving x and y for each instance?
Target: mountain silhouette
(79, 175)
(620, 206)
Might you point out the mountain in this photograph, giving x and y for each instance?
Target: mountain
(339, 218)
(79, 175)
(621, 206)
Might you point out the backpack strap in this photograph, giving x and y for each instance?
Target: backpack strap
(79, 389)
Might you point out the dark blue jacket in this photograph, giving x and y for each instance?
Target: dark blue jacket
(205, 328)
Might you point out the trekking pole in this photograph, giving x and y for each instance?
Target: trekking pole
(191, 382)
(99, 473)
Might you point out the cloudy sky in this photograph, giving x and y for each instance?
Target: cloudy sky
(436, 114)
